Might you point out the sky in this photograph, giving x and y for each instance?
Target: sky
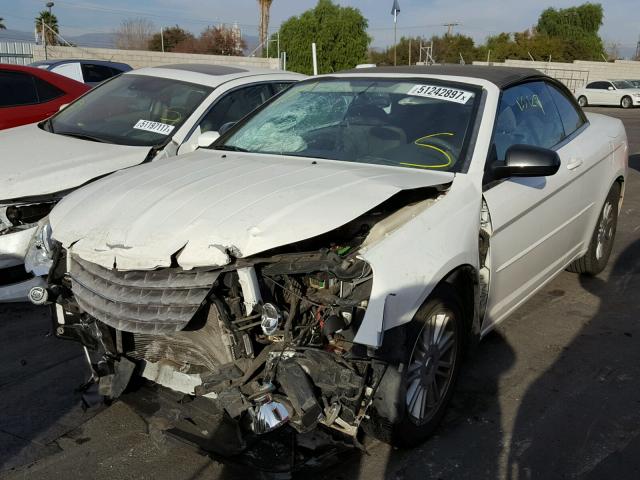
(477, 19)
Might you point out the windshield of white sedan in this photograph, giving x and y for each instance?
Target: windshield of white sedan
(415, 123)
(622, 84)
(131, 110)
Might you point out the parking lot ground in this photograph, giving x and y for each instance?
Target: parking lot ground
(552, 393)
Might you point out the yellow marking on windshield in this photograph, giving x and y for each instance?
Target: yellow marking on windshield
(426, 145)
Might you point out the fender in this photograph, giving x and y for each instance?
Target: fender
(413, 259)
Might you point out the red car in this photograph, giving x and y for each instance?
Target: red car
(29, 94)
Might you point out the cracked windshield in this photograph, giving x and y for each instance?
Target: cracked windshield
(414, 124)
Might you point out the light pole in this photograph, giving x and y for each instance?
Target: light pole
(395, 10)
(49, 5)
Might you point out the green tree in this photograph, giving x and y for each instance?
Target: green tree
(446, 49)
(51, 21)
(577, 27)
(340, 34)
(172, 37)
(2, 27)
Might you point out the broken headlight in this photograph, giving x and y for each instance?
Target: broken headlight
(25, 215)
(38, 259)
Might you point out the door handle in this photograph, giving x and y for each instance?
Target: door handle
(574, 163)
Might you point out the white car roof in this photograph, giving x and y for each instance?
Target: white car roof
(212, 75)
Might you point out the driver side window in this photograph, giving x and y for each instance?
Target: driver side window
(526, 115)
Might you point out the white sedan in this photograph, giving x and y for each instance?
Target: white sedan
(621, 93)
(140, 116)
(330, 259)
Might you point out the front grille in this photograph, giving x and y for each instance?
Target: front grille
(152, 302)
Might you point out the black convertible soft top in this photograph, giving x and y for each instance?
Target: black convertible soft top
(500, 76)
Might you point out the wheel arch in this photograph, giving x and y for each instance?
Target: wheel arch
(464, 279)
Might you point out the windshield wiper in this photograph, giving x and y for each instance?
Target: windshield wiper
(230, 148)
(83, 136)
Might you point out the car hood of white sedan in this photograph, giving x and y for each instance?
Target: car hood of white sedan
(204, 208)
(35, 162)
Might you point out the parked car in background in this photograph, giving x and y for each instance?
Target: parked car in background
(29, 94)
(91, 72)
(326, 264)
(604, 92)
(137, 117)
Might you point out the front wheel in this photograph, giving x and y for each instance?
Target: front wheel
(433, 351)
(582, 101)
(626, 102)
(601, 244)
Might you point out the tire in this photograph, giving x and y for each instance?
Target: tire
(626, 102)
(582, 101)
(416, 421)
(597, 256)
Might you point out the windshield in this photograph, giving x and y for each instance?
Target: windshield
(622, 84)
(416, 124)
(634, 83)
(131, 110)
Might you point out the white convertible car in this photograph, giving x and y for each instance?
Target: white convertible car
(140, 116)
(326, 264)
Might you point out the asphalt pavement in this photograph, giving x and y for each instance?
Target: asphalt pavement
(552, 393)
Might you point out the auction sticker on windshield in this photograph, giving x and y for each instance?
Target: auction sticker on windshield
(441, 93)
(155, 127)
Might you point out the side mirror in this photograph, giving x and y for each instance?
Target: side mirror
(63, 106)
(609, 87)
(207, 138)
(527, 161)
(225, 127)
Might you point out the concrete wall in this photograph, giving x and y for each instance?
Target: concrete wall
(141, 58)
(580, 71)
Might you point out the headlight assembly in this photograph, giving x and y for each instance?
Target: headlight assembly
(39, 254)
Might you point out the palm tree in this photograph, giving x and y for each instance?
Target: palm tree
(2, 27)
(51, 21)
(265, 5)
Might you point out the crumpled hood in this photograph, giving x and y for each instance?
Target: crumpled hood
(206, 205)
(35, 162)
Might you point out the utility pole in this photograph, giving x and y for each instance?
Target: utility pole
(637, 57)
(409, 52)
(162, 38)
(450, 27)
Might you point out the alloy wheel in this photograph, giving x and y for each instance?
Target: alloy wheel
(431, 367)
(605, 230)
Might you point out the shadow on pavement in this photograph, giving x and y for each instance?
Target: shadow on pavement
(38, 403)
(634, 161)
(589, 423)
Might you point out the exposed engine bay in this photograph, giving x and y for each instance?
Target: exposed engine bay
(268, 340)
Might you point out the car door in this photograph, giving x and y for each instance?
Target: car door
(19, 101)
(533, 219)
(610, 94)
(231, 107)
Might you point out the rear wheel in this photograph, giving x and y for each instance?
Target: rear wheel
(597, 256)
(626, 102)
(433, 352)
(582, 101)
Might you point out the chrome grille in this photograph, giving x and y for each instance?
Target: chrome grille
(152, 302)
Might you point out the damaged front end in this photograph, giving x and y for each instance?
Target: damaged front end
(264, 344)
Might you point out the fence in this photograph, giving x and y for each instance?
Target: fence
(17, 53)
(143, 58)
